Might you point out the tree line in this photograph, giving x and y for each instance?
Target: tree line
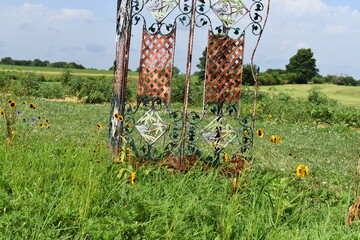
(301, 69)
(39, 63)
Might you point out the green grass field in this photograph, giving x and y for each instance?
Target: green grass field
(48, 70)
(61, 183)
(347, 95)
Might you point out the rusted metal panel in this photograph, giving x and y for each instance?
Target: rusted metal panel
(123, 30)
(156, 63)
(224, 69)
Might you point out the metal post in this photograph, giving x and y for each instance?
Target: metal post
(187, 82)
(123, 31)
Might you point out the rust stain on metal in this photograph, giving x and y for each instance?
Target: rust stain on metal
(187, 82)
(224, 69)
(121, 71)
(156, 63)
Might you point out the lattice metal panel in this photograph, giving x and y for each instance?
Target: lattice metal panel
(224, 69)
(156, 62)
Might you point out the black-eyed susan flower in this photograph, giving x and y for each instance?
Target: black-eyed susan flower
(119, 117)
(13, 104)
(133, 178)
(246, 133)
(279, 139)
(24, 102)
(32, 106)
(2, 112)
(300, 171)
(10, 101)
(41, 125)
(128, 126)
(46, 120)
(260, 133)
(226, 158)
(306, 170)
(98, 125)
(273, 139)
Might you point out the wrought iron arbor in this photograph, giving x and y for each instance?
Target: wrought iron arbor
(150, 125)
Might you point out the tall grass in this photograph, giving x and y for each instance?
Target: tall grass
(61, 183)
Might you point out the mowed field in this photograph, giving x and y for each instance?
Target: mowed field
(347, 95)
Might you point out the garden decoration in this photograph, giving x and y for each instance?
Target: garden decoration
(153, 129)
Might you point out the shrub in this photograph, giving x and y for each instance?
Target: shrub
(195, 91)
(317, 97)
(51, 90)
(27, 84)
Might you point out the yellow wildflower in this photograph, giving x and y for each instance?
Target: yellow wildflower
(98, 125)
(133, 178)
(273, 139)
(246, 133)
(306, 170)
(302, 171)
(13, 104)
(260, 133)
(226, 158)
(119, 117)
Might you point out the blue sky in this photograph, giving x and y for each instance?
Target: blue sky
(84, 31)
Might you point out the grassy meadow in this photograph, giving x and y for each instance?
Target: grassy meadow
(60, 182)
(54, 71)
(347, 95)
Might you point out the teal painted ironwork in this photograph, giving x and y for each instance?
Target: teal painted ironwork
(150, 125)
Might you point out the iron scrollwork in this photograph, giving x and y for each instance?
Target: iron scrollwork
(151, 127)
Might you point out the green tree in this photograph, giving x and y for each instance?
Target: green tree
(303, 64)
(202, 66)
(175, 71)
(7, 61)
(247, 77)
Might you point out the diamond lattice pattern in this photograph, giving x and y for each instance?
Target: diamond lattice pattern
(224, 69)
(156, 62)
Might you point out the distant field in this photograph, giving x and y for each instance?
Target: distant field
(54, 70)
(57, 71)
(347, 95)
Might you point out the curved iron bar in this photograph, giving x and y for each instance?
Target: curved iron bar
(253, 12)
(255, 75)
(159, 27)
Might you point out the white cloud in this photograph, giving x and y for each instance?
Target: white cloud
(302, 7)
(74, 13)
(33, 7)
(336, 29)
